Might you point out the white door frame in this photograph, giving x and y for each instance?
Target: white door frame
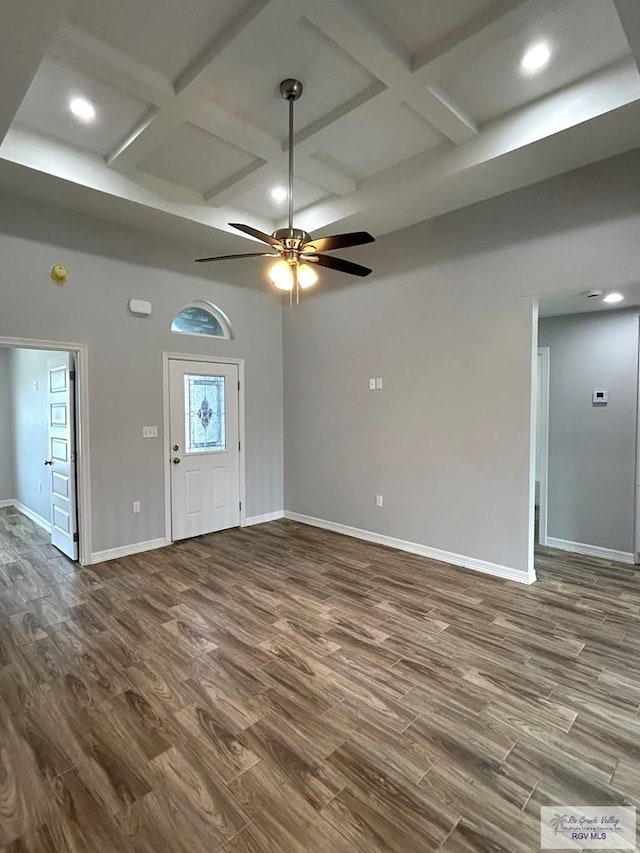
(80, 353)
(543, 381)
(636, 515)
(207, 359)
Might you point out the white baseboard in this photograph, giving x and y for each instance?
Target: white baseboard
(262, 519)
(127, 550)
(37, 519)
(415, 548)
(7, 502)
(590, 550)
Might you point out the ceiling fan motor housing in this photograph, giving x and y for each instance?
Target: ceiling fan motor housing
(292, 238)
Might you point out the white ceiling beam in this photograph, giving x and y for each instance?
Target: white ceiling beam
(228, 127)
(261, 23)
(26, 29)
(419, 177)
(629, 14)
(399, 80)
(379, 52)
(98, 58)
(89, 171)
(352, 29)
(323, 176)
(440, 110)
(364, 38)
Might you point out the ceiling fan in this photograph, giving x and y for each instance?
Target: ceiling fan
(295, 251)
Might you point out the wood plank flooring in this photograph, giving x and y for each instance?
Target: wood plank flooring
(286, 689)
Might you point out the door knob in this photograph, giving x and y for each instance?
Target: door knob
(176, 460)
(48, 461)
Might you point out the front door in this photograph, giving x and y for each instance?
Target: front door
(204, 447)
(62, 454)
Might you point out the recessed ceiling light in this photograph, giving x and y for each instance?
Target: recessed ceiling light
(82, 109)
(536, 57)
(612, 298)
(279, 194)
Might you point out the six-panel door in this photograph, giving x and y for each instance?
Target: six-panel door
(62, 458)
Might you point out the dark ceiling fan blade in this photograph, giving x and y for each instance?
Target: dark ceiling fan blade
(231, 257)
(339, 241)
(340, 265)
(266, 238)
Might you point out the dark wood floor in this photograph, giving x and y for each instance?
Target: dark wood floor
(286, 689)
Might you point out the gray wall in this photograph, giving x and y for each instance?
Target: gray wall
(447, 320)
(592, 448)
(29, 396)
(7, 486)
(107, 264)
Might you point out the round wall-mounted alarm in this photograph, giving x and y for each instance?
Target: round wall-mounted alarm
(58, 273)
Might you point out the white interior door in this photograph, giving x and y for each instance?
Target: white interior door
(204, 447)
(62, 454)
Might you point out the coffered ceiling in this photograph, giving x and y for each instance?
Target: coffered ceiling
(411, 108)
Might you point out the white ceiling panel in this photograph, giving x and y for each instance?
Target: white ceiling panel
(584, 36)
(194, 158)
(46, 108)
(330, 77)
(381, 142)
(258, 200)
(420, 24)
(379, 136)
(167, 35)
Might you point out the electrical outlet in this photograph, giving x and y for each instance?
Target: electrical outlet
(372, 384)
(135, 507)
(149, 431)
(378, 500)
(379, 383)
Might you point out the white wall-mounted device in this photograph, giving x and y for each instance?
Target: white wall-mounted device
(600, 398)
(140, 307)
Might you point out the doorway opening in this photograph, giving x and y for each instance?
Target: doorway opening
(43, 444)
(586, 435)
(204, 445)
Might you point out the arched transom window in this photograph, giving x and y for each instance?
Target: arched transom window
(202, 318)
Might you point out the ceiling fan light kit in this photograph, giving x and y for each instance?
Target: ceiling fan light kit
(295, 251)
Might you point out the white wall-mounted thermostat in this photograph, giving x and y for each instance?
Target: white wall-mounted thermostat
(140, 307)
(600, 398)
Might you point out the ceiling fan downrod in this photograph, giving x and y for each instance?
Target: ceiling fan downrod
(291, 90)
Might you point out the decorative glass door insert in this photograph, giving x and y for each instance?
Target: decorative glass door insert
(204, 412)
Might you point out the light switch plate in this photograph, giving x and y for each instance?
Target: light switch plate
(379, 383)
(149, 431)
(372, 385)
